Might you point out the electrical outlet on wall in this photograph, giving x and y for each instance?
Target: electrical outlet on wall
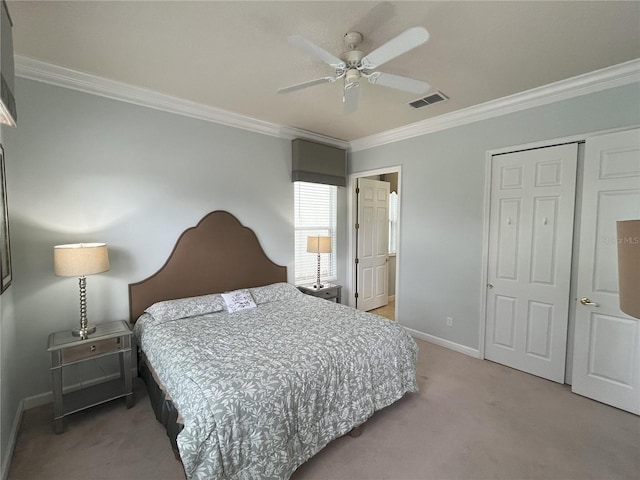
(449, 321)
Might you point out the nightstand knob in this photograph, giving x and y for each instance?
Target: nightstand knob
(92, 348)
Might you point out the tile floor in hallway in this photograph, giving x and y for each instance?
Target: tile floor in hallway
(388, 311)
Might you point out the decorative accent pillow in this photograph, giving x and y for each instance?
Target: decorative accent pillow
(186, 307)
(274, 292)
(238, 300)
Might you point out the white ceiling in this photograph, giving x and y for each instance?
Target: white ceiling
(235, 55)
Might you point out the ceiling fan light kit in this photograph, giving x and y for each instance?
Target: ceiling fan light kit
(354, 64)
(351, 78)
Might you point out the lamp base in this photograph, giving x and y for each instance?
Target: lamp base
(83, 332)
(317, 286)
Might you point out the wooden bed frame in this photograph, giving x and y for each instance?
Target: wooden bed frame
(217, 255)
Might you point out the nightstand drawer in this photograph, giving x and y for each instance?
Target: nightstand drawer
(329, 293)
(92, 349)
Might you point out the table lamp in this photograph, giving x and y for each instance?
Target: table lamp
(318, 245)
(80, 260)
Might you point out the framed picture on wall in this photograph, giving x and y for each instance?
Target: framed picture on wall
(5, 245)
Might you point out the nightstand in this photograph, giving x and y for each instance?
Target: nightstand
(329, 291)
(110, 338)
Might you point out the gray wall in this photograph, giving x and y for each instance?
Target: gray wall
(86, 168)
(9, 398)
(440, 259)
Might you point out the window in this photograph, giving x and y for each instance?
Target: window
(393, 222)
(315, 211)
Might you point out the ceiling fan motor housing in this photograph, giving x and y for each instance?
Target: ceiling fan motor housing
(352, 58)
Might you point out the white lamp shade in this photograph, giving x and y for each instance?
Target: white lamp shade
(319, 244)
(629, 266)
(80, 259)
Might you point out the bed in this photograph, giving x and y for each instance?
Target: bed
(251, 376)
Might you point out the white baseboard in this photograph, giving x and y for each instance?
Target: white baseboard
(37, 400)
(11, 444)
(472, 352)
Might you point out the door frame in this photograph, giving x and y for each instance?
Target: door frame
(486, 213)
(352, 214)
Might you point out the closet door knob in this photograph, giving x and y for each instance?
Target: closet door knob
(587, 301)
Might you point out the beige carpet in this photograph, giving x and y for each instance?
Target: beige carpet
(472, 419)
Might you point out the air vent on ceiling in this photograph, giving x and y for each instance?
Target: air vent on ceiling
(429, 100)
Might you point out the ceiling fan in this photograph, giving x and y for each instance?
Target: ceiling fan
(354, 65)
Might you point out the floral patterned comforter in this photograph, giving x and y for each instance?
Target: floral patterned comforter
(262, 390)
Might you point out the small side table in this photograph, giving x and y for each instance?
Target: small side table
(110, 338)
(330, 291)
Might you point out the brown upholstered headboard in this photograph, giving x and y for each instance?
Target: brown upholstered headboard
(217, 255)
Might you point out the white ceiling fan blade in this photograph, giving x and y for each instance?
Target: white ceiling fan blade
(315, 51)
(395, 47)
(350, 98)
(310, 83)
(398, 82)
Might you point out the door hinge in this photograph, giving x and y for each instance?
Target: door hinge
(357, 226)
(357, 190)
(356, 295)
(357, 261)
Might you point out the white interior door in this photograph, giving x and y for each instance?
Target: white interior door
(372, 281)
(606, 359)
(530, 243)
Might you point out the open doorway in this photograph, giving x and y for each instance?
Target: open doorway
(360, 281)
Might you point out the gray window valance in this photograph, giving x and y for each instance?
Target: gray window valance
(318, 163)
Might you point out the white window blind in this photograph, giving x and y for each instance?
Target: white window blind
(315, 210)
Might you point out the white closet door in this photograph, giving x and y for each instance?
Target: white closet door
(530, 243)
(606, 359)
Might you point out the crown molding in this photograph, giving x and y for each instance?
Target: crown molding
(606, 78)
(44, 72)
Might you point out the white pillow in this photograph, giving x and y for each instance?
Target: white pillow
(238, 300)
(186, 307)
